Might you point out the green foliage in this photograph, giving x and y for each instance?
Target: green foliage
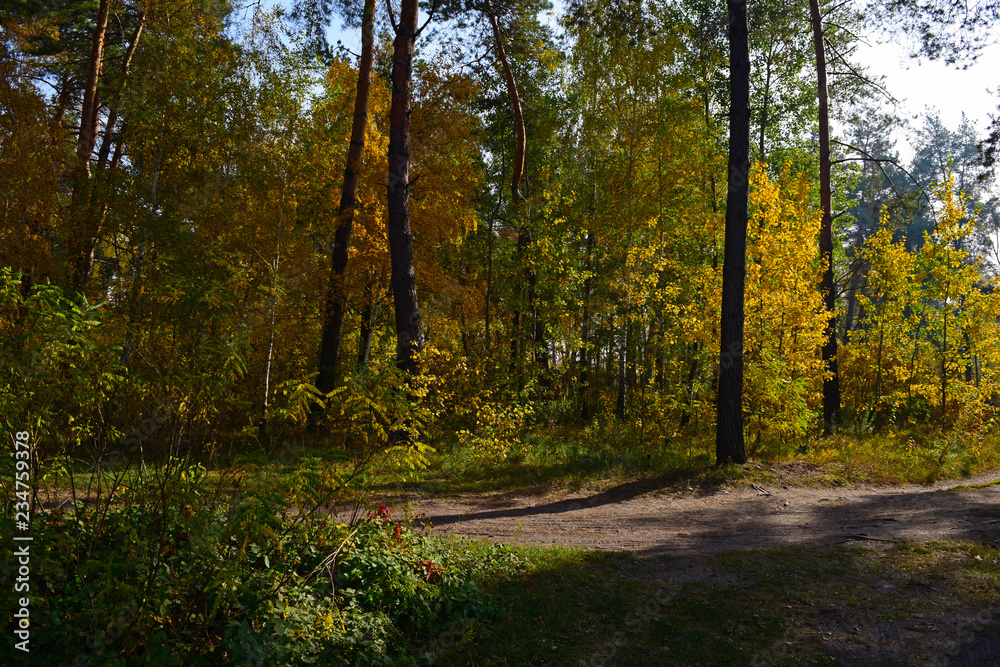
(180, 569)
(498, 428)
(57, 371)
(927, 346)
(384, 415)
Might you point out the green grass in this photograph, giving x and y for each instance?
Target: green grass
(912, 604)
(909, 603)
(604, 455)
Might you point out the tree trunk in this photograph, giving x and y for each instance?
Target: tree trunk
(62, 101)
(515, 353)
(369, 315)
(489, 265)
(764, 106)
(691, 377)
(336, 301)
(275, 264)
(109, 128)
(831, 384)
(404, 285)
(140, 257)
(525, 298)
(852, 302)
(82, 236)
(729, 442)
(515, 103)
(855, 285)
(87, 137)
(539, 347)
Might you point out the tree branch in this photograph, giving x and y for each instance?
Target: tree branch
(392, 16)
(434, 8)
(878, 162)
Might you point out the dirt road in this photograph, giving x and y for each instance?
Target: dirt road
(645, 517)
(648, 517)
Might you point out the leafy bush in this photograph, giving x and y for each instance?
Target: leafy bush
(182, 571)
(55, 374)
(385, 413)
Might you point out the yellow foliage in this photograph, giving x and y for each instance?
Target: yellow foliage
(785, 316)
(928, 341)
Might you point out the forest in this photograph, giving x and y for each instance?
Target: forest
(254, 284)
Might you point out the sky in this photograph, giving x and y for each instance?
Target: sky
(922, 85)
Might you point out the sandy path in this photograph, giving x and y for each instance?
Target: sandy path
(644, 518)
(647, 518)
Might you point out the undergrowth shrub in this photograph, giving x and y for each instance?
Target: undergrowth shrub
(55, 372)
(382, 418)
(909, 455)
(65, 378)
(182, 569)
(498, 427)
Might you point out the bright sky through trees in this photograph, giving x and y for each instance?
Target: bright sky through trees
(920, 85)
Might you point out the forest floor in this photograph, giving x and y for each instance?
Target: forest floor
(647, 516)
(677, 532)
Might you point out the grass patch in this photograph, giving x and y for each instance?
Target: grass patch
(598, 457)
(907, 456)
(601, 456)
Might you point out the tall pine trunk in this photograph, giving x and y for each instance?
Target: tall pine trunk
(82, 236)
(729, 442)
(109, 128)
(404, 284)
(831, 384)
(336, 299)
(515, 103)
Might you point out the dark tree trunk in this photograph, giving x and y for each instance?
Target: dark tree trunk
(525, 297)
(515, 103)
(336, 299)
(691, 377)
(729, 442)
(489, 266)
(541, 343)
(83, 236)
(369, 315)
(831, 384)
(515, 354)
(404, 285)
(109, 128)
(660, 354)
(539, 347)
